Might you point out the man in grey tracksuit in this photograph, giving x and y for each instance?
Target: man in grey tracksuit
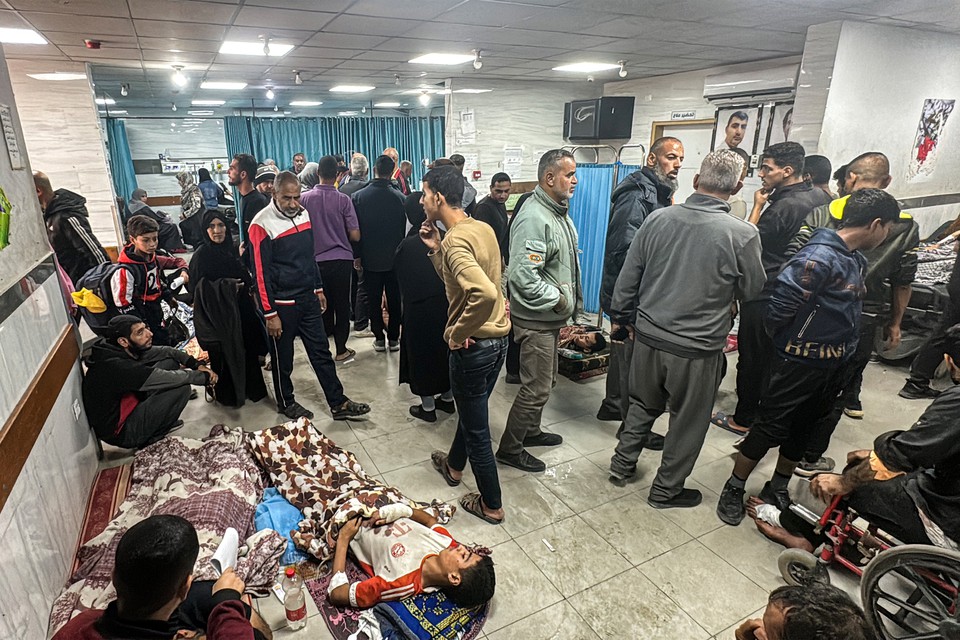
(685, 267)
(543, 279)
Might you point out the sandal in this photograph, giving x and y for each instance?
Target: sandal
(439, 461)
(473, 503)
(350, 409)
(722, 420)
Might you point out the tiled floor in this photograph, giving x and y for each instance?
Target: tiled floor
(617, 568)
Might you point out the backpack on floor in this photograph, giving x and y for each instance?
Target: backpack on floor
(95, 298)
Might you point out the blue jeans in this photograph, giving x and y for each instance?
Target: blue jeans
(473, 374)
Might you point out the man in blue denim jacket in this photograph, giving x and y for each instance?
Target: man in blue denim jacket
(813, 317)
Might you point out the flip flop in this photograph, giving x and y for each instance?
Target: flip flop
(722, 420)
(439, 461)
(472, 503)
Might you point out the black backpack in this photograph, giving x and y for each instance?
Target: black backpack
(97, 280)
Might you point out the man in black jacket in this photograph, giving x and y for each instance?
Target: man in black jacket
(789, 199)
(133, 391)
(68, 228)
(493, 210)
(636, 197)
(383, 224)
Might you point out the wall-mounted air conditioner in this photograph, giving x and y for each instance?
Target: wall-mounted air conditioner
(767, 83)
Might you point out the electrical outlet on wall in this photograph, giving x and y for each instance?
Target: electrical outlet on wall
(76, 409)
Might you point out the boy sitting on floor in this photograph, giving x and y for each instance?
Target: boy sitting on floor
(156, 594)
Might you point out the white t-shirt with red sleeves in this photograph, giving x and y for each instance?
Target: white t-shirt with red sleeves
(393, 555)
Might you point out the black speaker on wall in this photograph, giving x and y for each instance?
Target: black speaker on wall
(598, 118)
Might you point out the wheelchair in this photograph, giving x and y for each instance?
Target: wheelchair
(909, 592)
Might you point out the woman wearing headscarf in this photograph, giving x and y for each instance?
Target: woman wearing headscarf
(310, 176)
(424, 355)
(191, 204)
(209, 189)
(225, 316)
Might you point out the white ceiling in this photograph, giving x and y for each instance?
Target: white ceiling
(369, 41)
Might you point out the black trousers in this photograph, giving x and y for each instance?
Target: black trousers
(755, 354)
(336, 276)
(303, 319)
(375, 283)
(154, 416)
(361, 316)
(513, 355)
(925, 365)
(797, 397)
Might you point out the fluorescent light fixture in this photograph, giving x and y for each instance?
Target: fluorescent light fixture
(472, 90)
(21, 36)
(200, 113)
(586, 67)
(105, 101)
(113, 113)
(352, 88)
(178, 78)
(347, 113)
(208, 103)
(58, 76)
(387, 105)
(424, 98)
(443, 58)
(225, 86)
(305, 103)
(175, 50)
(255, 48)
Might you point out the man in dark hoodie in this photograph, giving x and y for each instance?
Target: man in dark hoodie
(135, 392)
(636, 197)
(68, 228)
(168, 235)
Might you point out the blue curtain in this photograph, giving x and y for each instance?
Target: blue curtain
(279, 138)
(121, 164)
(590, 211)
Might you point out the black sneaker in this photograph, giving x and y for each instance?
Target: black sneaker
(417, 411)
(394, 345)
(543, 439)
(607, 414)
(914, 391)
(807, 469)
(523, 461)
(619, 479)
(684, 500)
(512, 379)
(730, 507)
(447, 406)
(295, 411)
(350, 409)
(780, 499)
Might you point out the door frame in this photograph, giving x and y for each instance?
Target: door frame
(656, 129)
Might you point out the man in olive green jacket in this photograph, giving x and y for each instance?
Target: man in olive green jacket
(544, 286)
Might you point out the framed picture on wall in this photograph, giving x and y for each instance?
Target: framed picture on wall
(736, 128)
(781, 120)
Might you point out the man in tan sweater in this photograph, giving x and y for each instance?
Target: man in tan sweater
(468, 261)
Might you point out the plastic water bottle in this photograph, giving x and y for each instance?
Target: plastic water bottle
(293, 600)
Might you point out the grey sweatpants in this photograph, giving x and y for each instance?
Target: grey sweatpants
(618, 377)
(689, 386)
(538, 371)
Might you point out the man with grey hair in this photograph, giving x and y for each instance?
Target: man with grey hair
(685, 267)
(359, 170)
(543, 279)
(168, 237)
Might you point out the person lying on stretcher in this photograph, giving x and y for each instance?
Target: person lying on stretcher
(405, 552)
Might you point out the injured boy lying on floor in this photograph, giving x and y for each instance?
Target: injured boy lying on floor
(395, 540)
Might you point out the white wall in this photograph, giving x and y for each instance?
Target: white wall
(529, 114)
(64, 139)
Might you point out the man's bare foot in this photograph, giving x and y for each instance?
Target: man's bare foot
(777, 534)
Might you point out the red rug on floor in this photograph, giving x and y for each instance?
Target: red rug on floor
(108, 491)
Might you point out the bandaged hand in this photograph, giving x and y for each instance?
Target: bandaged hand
(391, 513)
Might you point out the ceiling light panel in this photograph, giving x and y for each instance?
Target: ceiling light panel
(387, 104)
(586, 67)
(105, 101)
(443, 58)
(208, 103)
(255, 48)
(305, 103)
(58, 76)
(223, 86)
(352, 88)
(20, 36)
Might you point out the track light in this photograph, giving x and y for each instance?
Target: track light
(424, 98)
(477, 62)
(297, 80)
(363, 110)
(276, 108)
(174, 107)
(623, 68)
(270, 93)
(178, 78)
(396, 79)
(266, 45)
(124, 89)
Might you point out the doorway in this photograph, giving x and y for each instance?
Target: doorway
(695, 136)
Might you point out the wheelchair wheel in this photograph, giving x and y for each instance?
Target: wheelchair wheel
(799, 567)
(910, 593)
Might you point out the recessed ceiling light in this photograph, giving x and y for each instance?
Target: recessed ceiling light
(347, 113)
(105, 101)
(227, 86)
(58, 76)
(472, 90)
(443, 58)
(200, 113)
(387, 104)
(586, 67)
(305, 103)
(207, 103)
(352, 88)
(255, 48)
(21, 36)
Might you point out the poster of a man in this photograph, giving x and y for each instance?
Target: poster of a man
(781, 122)
(736, 128)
